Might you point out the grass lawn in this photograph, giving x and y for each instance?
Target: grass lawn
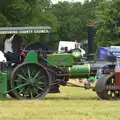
(71, 104)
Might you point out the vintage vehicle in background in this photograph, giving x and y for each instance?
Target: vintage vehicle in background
(69, 45)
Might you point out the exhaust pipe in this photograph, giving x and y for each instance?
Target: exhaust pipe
(91, 42)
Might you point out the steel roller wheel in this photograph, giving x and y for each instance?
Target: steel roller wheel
(30, 81)
(110, 94)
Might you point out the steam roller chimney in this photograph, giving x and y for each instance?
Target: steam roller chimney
(91, 42)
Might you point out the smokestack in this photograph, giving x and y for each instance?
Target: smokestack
(91, 42)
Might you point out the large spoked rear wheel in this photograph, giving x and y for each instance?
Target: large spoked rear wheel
(30, 81)
(109, 94)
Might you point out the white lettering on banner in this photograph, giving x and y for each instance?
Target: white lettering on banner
(114, 49)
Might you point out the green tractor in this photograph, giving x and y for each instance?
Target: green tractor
(34, 76)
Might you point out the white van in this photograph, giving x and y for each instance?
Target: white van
(70, 45)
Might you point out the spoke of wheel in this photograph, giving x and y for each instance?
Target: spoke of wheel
(110, 93)
(41, 78)
(116, 93)
(23, 73)
(22, 77)
(33, 72)
(31, 94)
(35, 91)
(29, 73)
(17, 80)
(19, 86)
(26, 92)
(41, 83)
(22, 90)
(39, 87)
(36, 74)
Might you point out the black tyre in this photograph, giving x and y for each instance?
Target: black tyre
(100, 95)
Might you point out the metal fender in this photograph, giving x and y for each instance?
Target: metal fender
(101, 82)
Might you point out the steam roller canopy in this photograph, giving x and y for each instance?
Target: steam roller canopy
(79, 71)
(25, 30)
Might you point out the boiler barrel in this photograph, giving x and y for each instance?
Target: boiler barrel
(79, 71)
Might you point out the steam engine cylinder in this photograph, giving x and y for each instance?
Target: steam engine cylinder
(79, 71)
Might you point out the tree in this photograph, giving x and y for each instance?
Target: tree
(27, 13)
(108, 23)
(70, 20)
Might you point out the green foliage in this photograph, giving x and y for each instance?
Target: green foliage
(27, 13)
(48, 19)
(16, 12)
(68, 20)
(72, 22)
(3, 21)
(108, 22)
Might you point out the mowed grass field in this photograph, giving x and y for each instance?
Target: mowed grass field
(71, 104)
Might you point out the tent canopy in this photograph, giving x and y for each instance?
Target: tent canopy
(103, 52)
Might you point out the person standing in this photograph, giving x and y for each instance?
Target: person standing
(8, 43)
(17, 44)
(8, 51)
(76, 44)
